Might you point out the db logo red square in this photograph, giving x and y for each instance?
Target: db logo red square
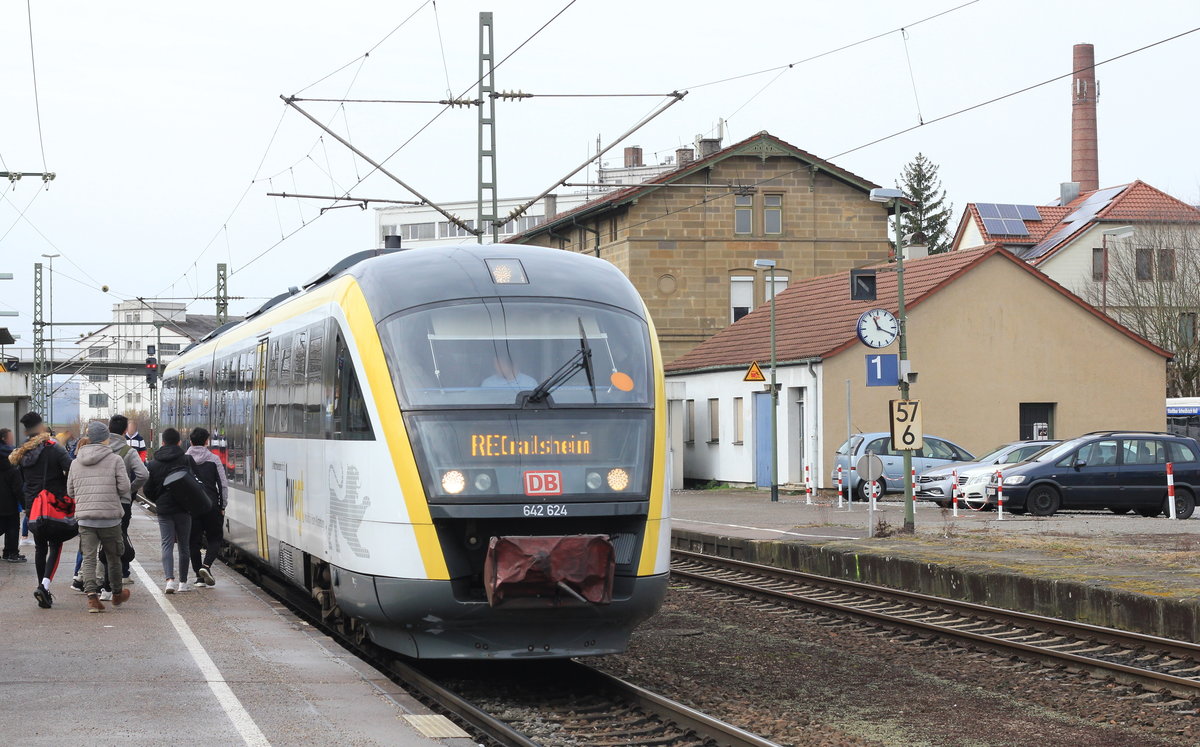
(543, 483)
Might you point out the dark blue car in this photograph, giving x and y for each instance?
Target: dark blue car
(1120, 471)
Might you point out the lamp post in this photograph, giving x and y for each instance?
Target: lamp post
(50, 397)
(897, 199)
(770, 265)
(1119, 232)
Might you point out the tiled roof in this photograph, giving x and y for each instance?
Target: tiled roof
(816, 319)
(1141, 202)
(1051, 215)
(626, 194)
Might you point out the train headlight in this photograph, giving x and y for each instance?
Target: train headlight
(483, 482)
(506, 271)
(618, 479)
(453, 482)
(594, 481)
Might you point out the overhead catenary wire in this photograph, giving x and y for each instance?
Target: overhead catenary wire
(442, 46)
(912, 76)
(37, 106)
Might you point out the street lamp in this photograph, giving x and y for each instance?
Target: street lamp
(769, 264)
(1119, 232)
(897, 199)
(50, 399)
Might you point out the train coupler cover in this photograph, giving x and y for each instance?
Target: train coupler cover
(547, 571)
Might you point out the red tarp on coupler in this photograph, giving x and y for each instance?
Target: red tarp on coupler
(550, 570)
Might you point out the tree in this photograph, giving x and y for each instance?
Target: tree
(1151, 284)
(920, 182)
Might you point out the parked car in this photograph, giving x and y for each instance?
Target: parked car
(935, 453)
(1120, 471)
(935, 484)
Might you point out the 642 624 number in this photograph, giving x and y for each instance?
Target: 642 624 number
(544, 509)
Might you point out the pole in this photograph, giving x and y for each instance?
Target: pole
(902, 318)
(1171, 492)
(774, 402)
(485, 202)
(49, 391)
(39, 343)
(222, 294)
(849, 451)
(1104, 279)
(954, 492)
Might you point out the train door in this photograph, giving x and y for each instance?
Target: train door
(258, 448)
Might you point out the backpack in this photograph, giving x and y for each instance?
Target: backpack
(206, 473)
(186, 488)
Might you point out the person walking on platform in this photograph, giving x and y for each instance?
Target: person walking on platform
(211, 473)
(174, 522)
(134, 439)
(98, 482)
(6, 448)
(11, 495)
(44, 465)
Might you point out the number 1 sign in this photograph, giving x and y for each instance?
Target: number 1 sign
(883, 369)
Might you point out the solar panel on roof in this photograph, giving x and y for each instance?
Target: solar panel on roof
(987, 210)
(1015, 228)
(994, 226)
(1008, 211)
(1029, 212)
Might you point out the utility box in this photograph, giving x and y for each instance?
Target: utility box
(1041, 431)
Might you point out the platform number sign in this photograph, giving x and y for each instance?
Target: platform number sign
(906, 424)
(883, 369)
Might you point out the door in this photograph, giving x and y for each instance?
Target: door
(1089, 477)
(258, 448)
(762, 439)
(1143, 472)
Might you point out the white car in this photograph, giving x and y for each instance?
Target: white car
(935, 484)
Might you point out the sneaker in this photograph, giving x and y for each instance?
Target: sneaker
(77, 584)
(183, 586)
(121, 598)
(94, 604)
(106, 595)
(171, 587)
(127, 580)
(206, 576)
(26, 541)
(44, 598)
(16, 558)
(199, 584)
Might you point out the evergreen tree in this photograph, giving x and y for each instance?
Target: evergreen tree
(920, 182)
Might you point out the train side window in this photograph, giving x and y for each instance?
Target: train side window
(350, 418)
(314, 398)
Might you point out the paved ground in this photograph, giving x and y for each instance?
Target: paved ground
(1147, 556)
(224, 665)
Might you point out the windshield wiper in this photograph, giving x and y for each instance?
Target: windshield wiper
(581, 360)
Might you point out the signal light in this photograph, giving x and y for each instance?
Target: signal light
(152, 372)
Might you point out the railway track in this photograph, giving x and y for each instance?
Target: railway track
(526, 704)
(1154, 663)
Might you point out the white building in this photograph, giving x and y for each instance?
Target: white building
(135, 328)
(421, 225)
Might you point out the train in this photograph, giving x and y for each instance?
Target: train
(459, 452)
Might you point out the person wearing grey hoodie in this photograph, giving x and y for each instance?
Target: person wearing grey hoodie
(98, 482)
(211, 473)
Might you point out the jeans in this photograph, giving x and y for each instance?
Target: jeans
(45, 556)
(175, 529)
(211, 526)
(108, 538)
(10, 524)
(25, 524)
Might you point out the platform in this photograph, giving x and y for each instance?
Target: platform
(223, 665)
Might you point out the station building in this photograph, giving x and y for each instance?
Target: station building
(996, 345)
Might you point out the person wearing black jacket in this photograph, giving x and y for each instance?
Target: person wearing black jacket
(11, 498)
(44, 464)
(174, 522)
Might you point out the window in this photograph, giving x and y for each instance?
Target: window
(418, 231)
(169, 348)
(1144, 451)
(98, 351)
(1144, 261)
(714, 421)
(741, 296)
(1178, 451)
(743, 214)
(738, 417)
(350, 418)
(129, 398)
(1098, 454)
(131, 318)
(97, 400)
(137, 398)
(689, 421)
(388, 229)
(781, 284)
(1031, 413)
(97, 377)
(1187, 328)
(879, 447)
(772, 213)
(446, 230)
(1099, 264)
(1166, 264)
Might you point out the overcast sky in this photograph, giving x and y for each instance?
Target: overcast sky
(156, 117)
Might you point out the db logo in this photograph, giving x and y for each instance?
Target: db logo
(543, 483)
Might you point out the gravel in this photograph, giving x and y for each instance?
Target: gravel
(807, 678)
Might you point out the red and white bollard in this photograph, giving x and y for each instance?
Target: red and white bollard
(954, 492)
(999, 496)
(807, 486)
(913, 476)
(839, 486)
(1171, 491)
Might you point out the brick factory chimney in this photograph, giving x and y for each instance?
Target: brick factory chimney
(684, 156)
(1085, 162)
(633, 156)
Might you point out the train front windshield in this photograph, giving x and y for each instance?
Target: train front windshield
(515, 398)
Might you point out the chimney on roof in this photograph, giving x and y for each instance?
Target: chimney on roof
(1067, 192)
(684, 156)
(391, 241)
(633, 156)
(708, 146)
(1085, 162)
(549, 206)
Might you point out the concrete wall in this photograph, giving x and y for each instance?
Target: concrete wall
(992, 339)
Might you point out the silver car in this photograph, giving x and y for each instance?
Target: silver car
(936, 484)
(935, 453)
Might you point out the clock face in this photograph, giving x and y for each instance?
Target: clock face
(878, 328)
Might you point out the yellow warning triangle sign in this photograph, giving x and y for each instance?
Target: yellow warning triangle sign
(754, 373)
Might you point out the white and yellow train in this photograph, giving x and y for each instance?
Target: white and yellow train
(460, 450)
